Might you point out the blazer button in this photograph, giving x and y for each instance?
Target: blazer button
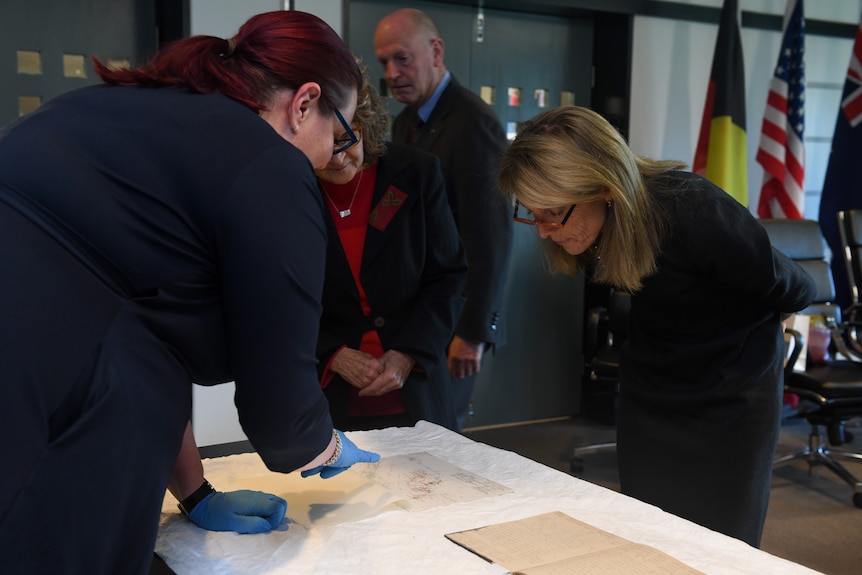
(379, 321)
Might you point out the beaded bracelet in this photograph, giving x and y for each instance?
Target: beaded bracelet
(337, 452)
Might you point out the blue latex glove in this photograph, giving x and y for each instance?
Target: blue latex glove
(350, 454)
(242, 511)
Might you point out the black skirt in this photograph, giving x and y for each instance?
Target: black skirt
(706, 460)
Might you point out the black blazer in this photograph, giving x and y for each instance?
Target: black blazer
(413, 271)
(465, 134)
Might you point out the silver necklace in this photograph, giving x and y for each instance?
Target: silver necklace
(344, 213)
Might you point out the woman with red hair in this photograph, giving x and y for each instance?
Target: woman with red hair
(161, 229)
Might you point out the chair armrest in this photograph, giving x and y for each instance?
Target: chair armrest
(838, 333)
(595, 331)
(850, 326)
(798, 341)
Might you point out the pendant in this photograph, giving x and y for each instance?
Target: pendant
(344, 213)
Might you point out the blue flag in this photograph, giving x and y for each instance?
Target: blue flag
(842, 188)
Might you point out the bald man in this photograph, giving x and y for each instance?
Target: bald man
(453, 123)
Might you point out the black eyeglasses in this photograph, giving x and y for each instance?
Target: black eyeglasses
(534, 222)
(347, 139)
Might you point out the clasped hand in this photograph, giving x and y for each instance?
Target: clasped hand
(242, 511)
(350, 454)
(373, 376)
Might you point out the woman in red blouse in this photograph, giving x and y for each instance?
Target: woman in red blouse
(395, 272)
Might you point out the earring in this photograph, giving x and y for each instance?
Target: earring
(610, 204)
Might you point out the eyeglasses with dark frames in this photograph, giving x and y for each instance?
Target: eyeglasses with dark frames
(535, 222)
(347, 139)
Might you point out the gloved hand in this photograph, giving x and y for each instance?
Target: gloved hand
(242, 511)
(350, 454)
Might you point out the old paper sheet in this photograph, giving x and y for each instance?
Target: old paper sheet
(423, 481)
(557, 544)
(414, 482)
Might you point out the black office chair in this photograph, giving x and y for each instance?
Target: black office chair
(850, 228)
(606, 328)
(831, 394)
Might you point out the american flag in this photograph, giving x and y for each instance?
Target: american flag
(782, 141)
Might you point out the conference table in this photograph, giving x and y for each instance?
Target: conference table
(395, 539)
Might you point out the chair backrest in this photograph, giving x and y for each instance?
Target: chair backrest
(606, 330)
(850, 228)
(619, 305)
(802, 241)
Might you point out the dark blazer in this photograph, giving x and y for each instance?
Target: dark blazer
(465, 134)
(413, 271)
(149, 238)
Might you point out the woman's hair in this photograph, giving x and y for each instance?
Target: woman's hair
(373, 118)
(272, 51)
(571, 155)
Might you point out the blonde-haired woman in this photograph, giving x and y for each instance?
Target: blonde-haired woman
(701, 381)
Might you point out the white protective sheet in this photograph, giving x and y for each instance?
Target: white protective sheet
(392, 540)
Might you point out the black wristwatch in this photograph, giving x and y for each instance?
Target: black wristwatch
(189, 503)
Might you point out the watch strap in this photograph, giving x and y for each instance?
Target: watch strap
(189, 503)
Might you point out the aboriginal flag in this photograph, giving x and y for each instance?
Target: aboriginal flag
(842, 188)
(722, 152)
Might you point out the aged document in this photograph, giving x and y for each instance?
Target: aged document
(557, 544)
(413, 482)
(423, 481)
